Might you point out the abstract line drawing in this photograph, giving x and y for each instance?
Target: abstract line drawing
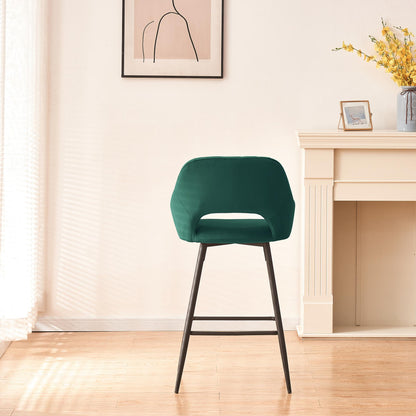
(176, 12)
(144, 30)
(172, 38)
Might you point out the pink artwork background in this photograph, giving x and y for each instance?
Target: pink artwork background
(173, 41)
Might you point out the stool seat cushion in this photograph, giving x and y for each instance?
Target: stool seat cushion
(229, 231)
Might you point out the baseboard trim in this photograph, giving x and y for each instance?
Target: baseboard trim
(69, 325)
(3, 347)
(46, 324)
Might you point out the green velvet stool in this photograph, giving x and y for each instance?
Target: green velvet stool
(256, 185)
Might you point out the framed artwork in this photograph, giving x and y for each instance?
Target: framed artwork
(356, 115)
(172, 38)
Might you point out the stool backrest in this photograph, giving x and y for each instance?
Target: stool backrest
(248, 184)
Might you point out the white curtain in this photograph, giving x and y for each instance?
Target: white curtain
(23, 27)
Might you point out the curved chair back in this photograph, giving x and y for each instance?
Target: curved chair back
(256, 185)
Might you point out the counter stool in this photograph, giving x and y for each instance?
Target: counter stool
(255, 185)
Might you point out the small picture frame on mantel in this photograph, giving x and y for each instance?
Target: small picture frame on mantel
(356, 115)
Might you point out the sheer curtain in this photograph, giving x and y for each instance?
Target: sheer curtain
(22, 151)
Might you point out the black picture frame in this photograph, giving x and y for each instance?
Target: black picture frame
(135, 33)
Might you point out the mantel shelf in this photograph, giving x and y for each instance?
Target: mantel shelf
(339, 139)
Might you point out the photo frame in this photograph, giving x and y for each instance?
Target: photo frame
(172, 38)
(356, 115)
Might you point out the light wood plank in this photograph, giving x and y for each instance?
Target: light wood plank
(123, 374)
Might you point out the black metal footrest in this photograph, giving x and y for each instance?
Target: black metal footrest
(233, 318)
(226, 333)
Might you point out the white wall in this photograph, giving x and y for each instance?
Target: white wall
(117, 145)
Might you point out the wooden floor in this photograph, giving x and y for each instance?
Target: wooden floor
(133, 373)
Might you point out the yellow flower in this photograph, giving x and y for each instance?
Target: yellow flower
(386, 31)
(406, 32)
(395, 53)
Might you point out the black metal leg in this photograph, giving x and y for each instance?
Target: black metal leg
(276, 307)
(190, 314)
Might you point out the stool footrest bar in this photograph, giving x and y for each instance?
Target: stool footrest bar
(234, 318)
(230, 333)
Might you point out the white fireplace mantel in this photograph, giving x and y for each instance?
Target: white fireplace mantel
(346, 166)
(338, 139)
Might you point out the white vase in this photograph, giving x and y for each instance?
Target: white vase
(406, 109)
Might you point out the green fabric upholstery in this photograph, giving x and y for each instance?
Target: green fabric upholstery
(256, 185)
(238, 231)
